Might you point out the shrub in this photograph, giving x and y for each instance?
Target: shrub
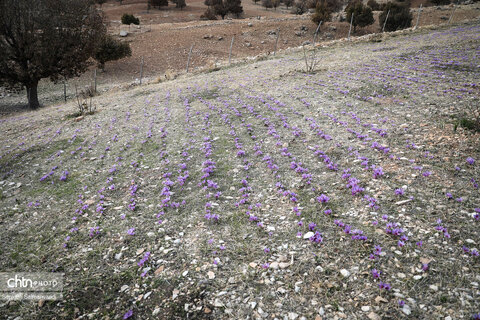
(300, 7)
(234, 7)
(288, 3)
(267, 4)
(374, 5)
(111, 49)
(321, 13)
(158, 3)
(439, 2)
(209, 14)
(129, 19)
(179, 4)
(399, 17)
(362, 15)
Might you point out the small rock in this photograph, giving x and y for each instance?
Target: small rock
(366, 308)
(379, 299)
(433, 287)
(274, 265)
(406, 309)
(248, 44)
(417, 277)
(211, 275)
(207, 310)
(175, 294)
(159, 270)
(250, 24)
(308, 235)
(123, 288)
(284, 265)
(373, 316)
(218, 303)
(292, 315)
(123, 33)
(345, 273)
(156, 311)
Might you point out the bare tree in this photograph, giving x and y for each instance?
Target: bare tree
(46, 39)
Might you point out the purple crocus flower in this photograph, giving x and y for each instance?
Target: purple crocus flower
(323, 198)
(470, 160)
(128, 314)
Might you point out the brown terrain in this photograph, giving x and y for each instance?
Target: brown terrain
(165, 36)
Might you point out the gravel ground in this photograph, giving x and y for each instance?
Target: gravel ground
(259, 191)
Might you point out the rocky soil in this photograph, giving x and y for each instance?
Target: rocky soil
(259, 191)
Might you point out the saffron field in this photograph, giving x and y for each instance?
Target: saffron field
(259, 191)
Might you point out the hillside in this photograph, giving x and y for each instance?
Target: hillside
(259, 190)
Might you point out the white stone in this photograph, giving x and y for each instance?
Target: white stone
(308, 235)
(345, 273)
(292, 315)
(417, 277)
(433, 287)
(366, 308)
(123, 33)
(406, 309)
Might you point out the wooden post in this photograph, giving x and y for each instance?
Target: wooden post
(350, 30)
(276, 42)
(141, 71)
(95, 80)
(451, 16)
(230, 53)
(418, 17)
(189, 54)
(316, 33)
(385, 22)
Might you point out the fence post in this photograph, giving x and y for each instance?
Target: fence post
(316, 33)
(418, 17)
(230, 53)
(189, 54)
(385, 22)
(350, 30)
(451, 16)
(95, 80)
(276, 42)
(141, 71)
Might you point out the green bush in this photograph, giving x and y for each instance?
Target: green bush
(129, 19)
(321, 13)
(439, 2)
(362, 14)
(111, 49)
(399, 17)
(374, 5)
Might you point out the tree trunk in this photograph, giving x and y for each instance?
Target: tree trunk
(32, 95)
